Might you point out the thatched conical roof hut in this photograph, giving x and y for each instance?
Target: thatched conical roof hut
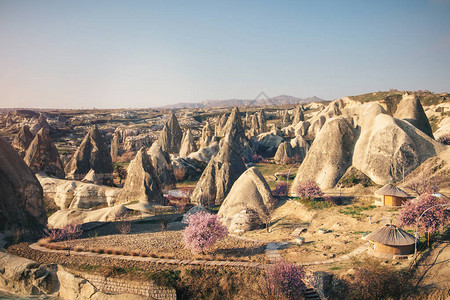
(391, 195)
(390, 240)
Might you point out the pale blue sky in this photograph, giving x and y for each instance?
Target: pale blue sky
(110, 53)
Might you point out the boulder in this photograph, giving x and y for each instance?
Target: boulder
(21, 201)
(42, 155)
(142, 183)
(22, 140)
(249, 202)
(188, 144)
(92, 154)
(162, 165)
(171, 135)
(410, 109)
(218, 176)
(330, 154)
(24, 276)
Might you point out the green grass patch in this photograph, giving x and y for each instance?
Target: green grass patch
(316, 203)
(356, 211)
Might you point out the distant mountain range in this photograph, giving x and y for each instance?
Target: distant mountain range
(278, 100)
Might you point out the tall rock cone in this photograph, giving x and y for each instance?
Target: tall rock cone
(42, 155)
(171, 135)
(220, 124)
(142, 183)
(330, 154)
(298, 115)
(410, 109)
(286, 121)
(207, 136)
(235, 132)
(92, 154)
(249, 202)
(219, 175)
(22, 140)
(188, 144)
(21, 197)
(115, 146)
(162, 165)
(41, 123)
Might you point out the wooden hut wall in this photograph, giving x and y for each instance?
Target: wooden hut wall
(393, 201)
(396, 250)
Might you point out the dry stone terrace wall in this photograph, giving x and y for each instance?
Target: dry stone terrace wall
(121, 286)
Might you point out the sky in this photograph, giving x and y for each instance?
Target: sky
(139, 54)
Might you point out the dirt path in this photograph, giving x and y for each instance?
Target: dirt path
(434, 271)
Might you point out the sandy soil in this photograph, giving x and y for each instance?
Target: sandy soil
(434, 271)
(345, 227)
(148, 238)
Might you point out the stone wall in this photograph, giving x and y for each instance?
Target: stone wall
(121, 286)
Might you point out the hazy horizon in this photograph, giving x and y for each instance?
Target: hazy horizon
(141, 54)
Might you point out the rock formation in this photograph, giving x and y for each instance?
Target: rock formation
(235, 129)
(329, 156)
(65, 217)
(207, 135)
(267, 143)
(249, 202)
(92, 154)
(115, 146)
(134, 143)
(220, 124)
(258, 123)
(21, 201)
(40, 123)
(171, 135)
(286, 120)
(142, 183)
(300, 147)
(388, 147)
(22, 140)
(219, 175)
(188, 144)
(285, 154)
(191, 167)
(298, 115)
(410, 109)
(162, 165)
(76, 194)
(42, 155)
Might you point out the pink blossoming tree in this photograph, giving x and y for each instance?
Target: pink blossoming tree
(285, 280)
(203, 231)
(308, 188)
(431, 221)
